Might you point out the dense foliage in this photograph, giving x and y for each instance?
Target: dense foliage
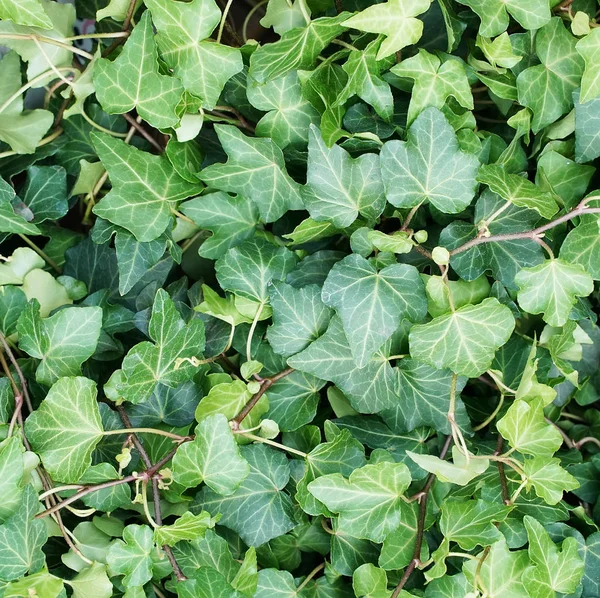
(297, 298)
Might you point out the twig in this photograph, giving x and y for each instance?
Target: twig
(136, 441)
(410, 216)
(126, 23)
(501, 472)
(309, 577)
(15, 364)
(41, 253)
(564, 435)
(140, 129)
(416, 557)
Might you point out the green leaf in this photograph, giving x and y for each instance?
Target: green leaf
(11, 476)
(370, 581)
(587, 129)
(283, 16)
(258, 510)
(206, 583)
(589, 49)
(91, 582)
(517, 190)
(547, 88)
(62, 342)
(494, 14)
(370, 502)
(106, 499)
(460, 472)
(232, 220)
(299, 317)
(66, 428)
(186, 527)
(25, 12)
(339, 188)
(116, 9)
(10, 221)
(372, 304)
(396, 20)
(369, 389)
(132, 556)
(148, 364)
(22, 131)
(296, 50)
(183, 32)
(552, 288)
(429, 166)
(548, 478)
(526, 430)
(41, 584)
(553, 570)
(464, 341)
(145, 188)
(132, 80)
(435, 81)
(223, 470)
(582, 247)
(255, 170)
(22, 538)
(45, 192)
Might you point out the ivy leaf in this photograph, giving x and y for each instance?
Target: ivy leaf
(369, 503)
(144, 188)
(435, 81)
(66, 428)
(526, 430)
(547, 88)
(41, 584)
(589, 49)
(183, 32)
(587, 129)
(297, 49)
(494, 14)
(258, 510)
(548, 478)
(92, 582)
(372, 304)
(116, 9)
(186, 527)
(232, 220)
(429, 166)
(223, 470)
(10, 221)
(283, 16)
(552, 570)
(470, 523)
(460, 472)
(256, 170)
(463, 341)
(206, 582)
(132, 80)
(370, 581)
(22, 538)
(12, 471)
(131, 556)
(62, 342)
(552, 288)
(582, 247)
(369, 389)
(396, 20)
(339, 187)
(148, 364)
(106, 499)
(299, 317)
(45, 192)
(25, 12)
(517, 190)
(22, 131)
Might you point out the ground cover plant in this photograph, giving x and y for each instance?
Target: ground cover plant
(297, 298)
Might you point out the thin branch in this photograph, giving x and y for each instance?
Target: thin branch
(136, 441)
(41, 253)
(501, 472)
(142, 131)
(309, 577)
(410, 216)
(126, 23)
(22, 380)
(47, 40)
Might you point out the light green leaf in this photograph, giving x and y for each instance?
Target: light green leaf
(66, 428)
(369, 503)
(396, 20)
(258, 510)
(526, 430)
(494, 14)
(186, 527)
(22, 538)
(548, 478)
(339, 187)
(144, 188)
(589, 50)
(132, 80)
(429, 166)
(369, 389)
(552, 288)
(40, 585)
(256, 170)
(435, 81)
(116, 9)
(10, 221)
(518, 190)
(132, 556)
(370, 581)
(582, 247)
(227, 398)
(183, 32)
(372, 304)
(25, 12)
(299, 317)
(553, 570)
(440, 291)
(498, 51)
(460, 472)
(62, 342)
(464, 341)
(22, 131)
(231, 220)
(311, 230)
(297, 49)
(91, 582)
(213, 457)
(148, 364)
(219, 307)
(547, 88)
(283, 15)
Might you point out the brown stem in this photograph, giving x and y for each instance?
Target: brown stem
(136, 441)
(416, 557)
(501, 472)
(126, 24)
(240, 117)
(264, 386)
(142, 131)
(19, 371)
(410, 216)
(339, 7)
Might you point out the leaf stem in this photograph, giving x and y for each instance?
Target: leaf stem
(223, 19)
(98, 35)
(501, 472)
(45, 257)
(587, 440)
(309, 577)
(278, 445)
(492, 416)
(410, 216)
(252, 329)
(136, 124)
(44, 141)
(157, 431)
(47, 40)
